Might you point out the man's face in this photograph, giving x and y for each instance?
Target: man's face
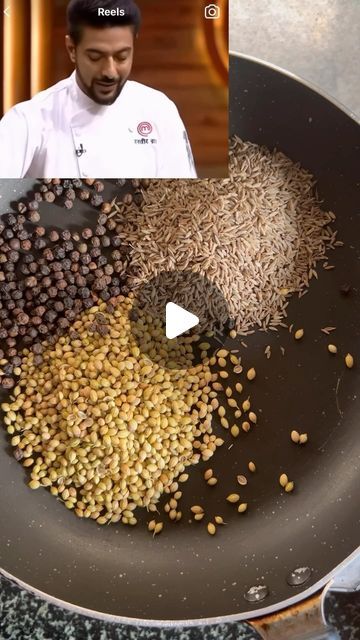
(103, 60)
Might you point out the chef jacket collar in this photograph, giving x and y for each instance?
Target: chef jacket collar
(82, 102)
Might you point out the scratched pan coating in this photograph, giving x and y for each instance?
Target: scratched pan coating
(185, 574)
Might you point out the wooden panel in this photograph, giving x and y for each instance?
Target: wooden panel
(16, 54)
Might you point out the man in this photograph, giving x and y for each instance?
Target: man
(97, 123)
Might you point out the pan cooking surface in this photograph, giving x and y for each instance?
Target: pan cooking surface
(184, 573)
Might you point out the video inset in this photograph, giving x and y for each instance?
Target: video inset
(114, 89)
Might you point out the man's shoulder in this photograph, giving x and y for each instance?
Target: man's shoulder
(143, 92)
(44, 98)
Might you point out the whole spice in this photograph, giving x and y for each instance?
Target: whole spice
(299, 334)
(349, 361)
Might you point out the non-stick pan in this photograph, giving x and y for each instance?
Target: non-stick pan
(184, 575)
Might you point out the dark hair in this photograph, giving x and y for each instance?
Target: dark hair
(82, 13)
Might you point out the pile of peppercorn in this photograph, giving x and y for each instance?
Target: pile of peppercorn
(48, 277)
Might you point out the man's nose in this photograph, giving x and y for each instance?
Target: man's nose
(109, 69)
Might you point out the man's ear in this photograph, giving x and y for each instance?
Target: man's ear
(71, 49)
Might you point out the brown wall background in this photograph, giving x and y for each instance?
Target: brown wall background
(178, 52)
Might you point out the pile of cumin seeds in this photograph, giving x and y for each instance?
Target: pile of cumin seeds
(258, 235)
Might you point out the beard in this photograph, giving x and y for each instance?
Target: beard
(103, 91)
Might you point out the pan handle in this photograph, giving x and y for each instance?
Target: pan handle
(301, 621)
(306, 619)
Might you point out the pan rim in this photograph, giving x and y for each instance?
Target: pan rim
(324, 583)
(307, 83)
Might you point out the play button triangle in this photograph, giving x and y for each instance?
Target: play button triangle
(178, 320)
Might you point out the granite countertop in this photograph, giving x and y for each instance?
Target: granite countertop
(316, 41)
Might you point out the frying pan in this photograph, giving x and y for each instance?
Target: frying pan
(184, 576)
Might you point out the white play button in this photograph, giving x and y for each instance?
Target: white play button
(178, 320)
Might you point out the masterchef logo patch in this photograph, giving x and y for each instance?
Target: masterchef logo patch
(144, 129)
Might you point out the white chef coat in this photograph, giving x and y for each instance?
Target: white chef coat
(61, 132)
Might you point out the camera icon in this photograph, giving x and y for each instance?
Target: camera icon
(212, 12)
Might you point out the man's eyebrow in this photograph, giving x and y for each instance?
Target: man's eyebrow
(90, 50)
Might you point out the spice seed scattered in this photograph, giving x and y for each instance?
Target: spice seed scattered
(252, 417)
(208, 474)
(239, 387)
(198, 516)
(242, 507)
(158, 528)
(303, 438)
(235, 431)
(299, 334)
(233, 498)
(295, 436)
(245, 426)
(246, 405)
(242, 480)
(212, 481)
(252, 466)
(283, 479)
(219, 520)
(222, 353)
(197, 509)
(211, 528)
(349, 361)
(232, 334)
(251, 374)
(332, 348)
(289, 486)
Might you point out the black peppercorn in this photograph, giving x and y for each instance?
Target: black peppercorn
(68, 246)
(96, 200)
(87, 233)
(26, 245)
(80, 281)
(46, 282)
(111, 225)
(22, 235)
(54, 236)
(100, 230)
(44, 270)
(72, 291)
(114, 291)
(56, 266)
(23, 318)
(50, 196)
(7, 383)
(116, 241)
(70, 194)
(10, 219)
(116, 255)
(92, 266)
(34, 216)
(33, 205)
(105, 295)
(43, 297)
(108, 269)
(15, 360)
(95, 241)
(127, 199)
(67, 184)
(68, 204)
(105, 241)
(84, 292)
(16, 295)
(21, 207)
(69, 277)
(75, 256)
(70, 315)
(84, 270)
(85, 258)
(43, 329)
(88, 303)
(13, 256)
(138, 198)
(102, 261)
(59, 306)
(99, 186)
(61, 285)
(58, 190)
(68, 302)
(63, 323)
(84, 194)
(39, 232)
(75, 267)
(36, 291)
(95, 252)
(8, 233)
(119, 267)
(106, 207)
(59, 252)
(50, 316)
(39, 244)
(33, 267)
(36, 320)
(31, 282)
